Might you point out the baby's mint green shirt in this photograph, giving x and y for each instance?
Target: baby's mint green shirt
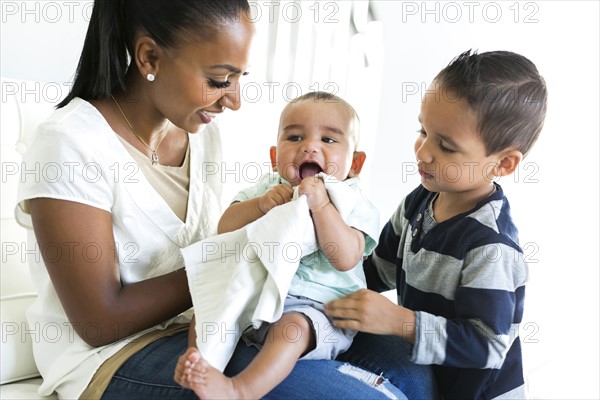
(316, 278)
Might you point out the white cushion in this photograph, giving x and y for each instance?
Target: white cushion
(22, 390)
(24, 106)
(17, 357)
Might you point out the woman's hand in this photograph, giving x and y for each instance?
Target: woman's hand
(369, 311)
(274, 197)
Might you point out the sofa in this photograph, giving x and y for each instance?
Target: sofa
(24, 105)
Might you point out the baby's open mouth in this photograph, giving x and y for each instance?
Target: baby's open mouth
(309, 169)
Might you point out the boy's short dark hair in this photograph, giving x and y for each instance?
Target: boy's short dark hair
(506, 92)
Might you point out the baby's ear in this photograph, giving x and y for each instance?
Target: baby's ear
(358, 159)
(509, 160)
(273, 155)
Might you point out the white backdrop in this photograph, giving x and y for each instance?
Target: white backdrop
(554, 196)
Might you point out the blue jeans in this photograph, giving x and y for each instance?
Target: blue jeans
(389, 356)
(149, 375)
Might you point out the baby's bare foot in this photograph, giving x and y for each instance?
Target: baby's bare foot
(210, 383)
(184, 366)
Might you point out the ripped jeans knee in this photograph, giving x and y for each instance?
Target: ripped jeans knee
(377, 382)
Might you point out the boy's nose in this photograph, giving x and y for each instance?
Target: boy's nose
(422, 152)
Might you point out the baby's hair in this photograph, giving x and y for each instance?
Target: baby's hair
(113, 26)
(331, 98)
(506, 92)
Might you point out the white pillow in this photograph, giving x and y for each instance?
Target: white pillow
(25, 104)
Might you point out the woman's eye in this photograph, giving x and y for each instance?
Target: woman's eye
(219, 85)
(422, 132)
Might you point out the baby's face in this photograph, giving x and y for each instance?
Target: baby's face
(315, 137)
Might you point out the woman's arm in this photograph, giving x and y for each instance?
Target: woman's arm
(241, 214)
(89, 287)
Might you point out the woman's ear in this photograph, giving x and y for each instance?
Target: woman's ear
(273, 155)
(508, 162)
(358, 159)
(147, 56)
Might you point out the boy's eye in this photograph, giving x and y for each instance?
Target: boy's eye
(446, 149)
(328, 140)
(294, 138)
(219, 85)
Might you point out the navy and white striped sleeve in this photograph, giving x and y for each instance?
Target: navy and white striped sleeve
(381, 267)
(488, 306)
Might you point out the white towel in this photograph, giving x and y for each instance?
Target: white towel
(241, 278)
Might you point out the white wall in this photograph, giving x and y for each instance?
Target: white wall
(42, 40)
(554, 197)
(52, 32)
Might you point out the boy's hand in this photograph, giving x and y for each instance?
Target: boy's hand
(369, 311)
(274, 197)
(315, 191)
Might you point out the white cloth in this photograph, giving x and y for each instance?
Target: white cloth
(76, 156)
(241, 278)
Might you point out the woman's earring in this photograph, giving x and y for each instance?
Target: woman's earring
(150, 77)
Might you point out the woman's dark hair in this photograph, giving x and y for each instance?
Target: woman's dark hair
(114, 24)
(506, 92)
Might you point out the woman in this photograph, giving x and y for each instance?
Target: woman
(130, 141)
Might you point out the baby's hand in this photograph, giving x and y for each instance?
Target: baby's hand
(314, 189)
(274, 197)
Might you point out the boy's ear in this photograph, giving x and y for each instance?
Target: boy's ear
(273, 155)
(358, 159)
(509, 160)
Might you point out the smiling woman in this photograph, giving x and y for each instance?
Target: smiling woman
(151, 78)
